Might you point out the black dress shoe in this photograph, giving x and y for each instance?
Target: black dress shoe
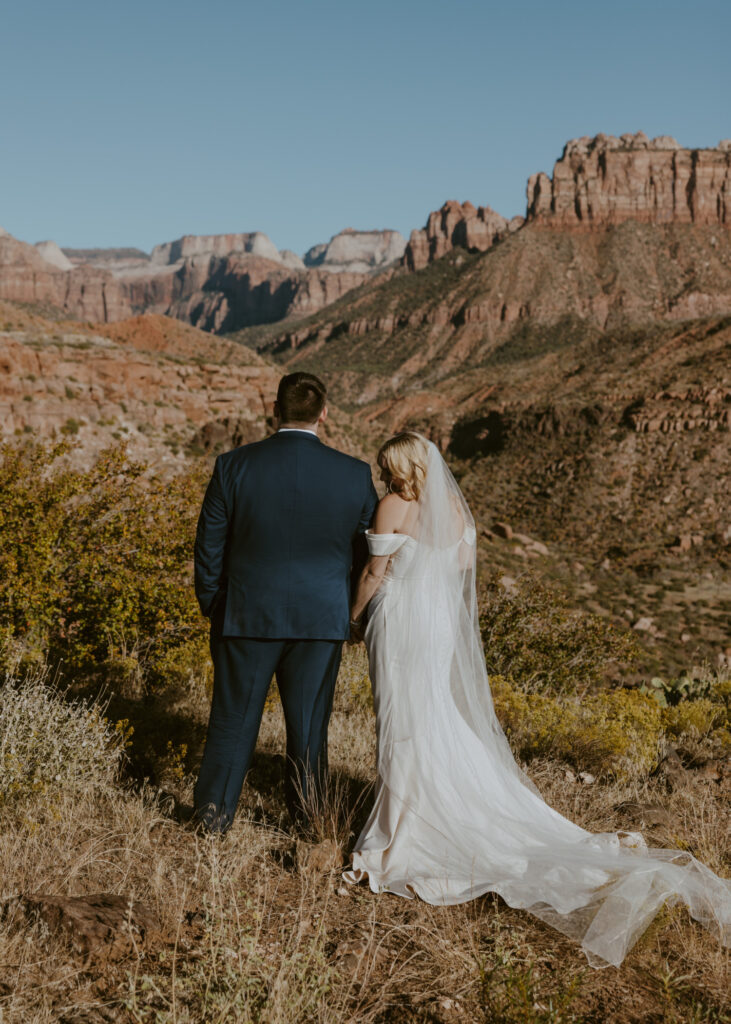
(210, 822)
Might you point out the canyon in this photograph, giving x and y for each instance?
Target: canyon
(572, 364)
(215, 282)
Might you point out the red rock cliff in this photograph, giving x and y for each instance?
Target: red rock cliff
(605, 180)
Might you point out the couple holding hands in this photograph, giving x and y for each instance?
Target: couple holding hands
(454, 815)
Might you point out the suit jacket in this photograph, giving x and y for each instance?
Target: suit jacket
(276, 536)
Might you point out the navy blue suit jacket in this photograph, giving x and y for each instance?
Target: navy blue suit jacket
(276, 536)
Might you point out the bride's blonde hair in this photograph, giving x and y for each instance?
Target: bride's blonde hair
(405, 457)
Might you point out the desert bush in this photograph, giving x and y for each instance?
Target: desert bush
(613, 732)
(48, 741)
(532, 635)
(95, 569)
(696, 718)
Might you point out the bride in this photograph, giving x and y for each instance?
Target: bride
(454, 815)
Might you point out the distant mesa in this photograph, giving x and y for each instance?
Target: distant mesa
(113, 259)
(357, 252)
(226, 282)
(606, 180)
(215, 282)
(254, 243)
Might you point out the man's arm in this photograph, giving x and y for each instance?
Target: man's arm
(210, 543)
(369, 506)
(360, 546)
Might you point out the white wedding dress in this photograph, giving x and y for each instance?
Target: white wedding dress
(454, 816)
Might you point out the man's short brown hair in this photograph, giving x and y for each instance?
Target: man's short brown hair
(301, 398)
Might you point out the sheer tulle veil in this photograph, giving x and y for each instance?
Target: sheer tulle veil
(442, 571)
(455, 816)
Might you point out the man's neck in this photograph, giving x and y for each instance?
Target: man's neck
(308, 428)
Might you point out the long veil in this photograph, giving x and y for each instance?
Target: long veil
(476, 823)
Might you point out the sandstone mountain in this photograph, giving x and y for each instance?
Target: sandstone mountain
(597, 182)
(457, 224)
(85, 292)
(254, 243)
(607, 180)
(215, 282)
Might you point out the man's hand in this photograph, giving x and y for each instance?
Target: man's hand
(357, 632)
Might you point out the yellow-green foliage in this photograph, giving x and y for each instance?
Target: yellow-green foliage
(532, 635)
(613, 731)
(48, 741)
(695, 717)
(95, 567)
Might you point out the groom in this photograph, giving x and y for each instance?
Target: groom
(273, 555)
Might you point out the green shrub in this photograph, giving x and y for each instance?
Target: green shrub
(696, 718)
(95, 569)
(533, 636)
(47, 741)
(613, 732)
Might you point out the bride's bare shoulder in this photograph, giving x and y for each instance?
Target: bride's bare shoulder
(390, 514)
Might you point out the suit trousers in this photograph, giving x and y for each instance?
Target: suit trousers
(306, 671)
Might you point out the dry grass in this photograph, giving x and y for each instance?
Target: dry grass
(246, 935)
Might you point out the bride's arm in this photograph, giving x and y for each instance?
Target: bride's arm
(390, 515)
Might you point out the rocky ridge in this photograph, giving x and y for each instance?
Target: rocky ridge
(457, 225)
(578, 382)
(606, 180)
(465, 305)
(164, 387)
(597, 183)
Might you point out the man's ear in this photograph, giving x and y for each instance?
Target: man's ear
(323, 415)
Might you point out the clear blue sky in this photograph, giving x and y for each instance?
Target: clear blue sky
(134, 123)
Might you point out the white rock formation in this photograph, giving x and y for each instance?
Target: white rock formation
(255, 243)
(291, 259)
(357, 251)
(52, 254)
